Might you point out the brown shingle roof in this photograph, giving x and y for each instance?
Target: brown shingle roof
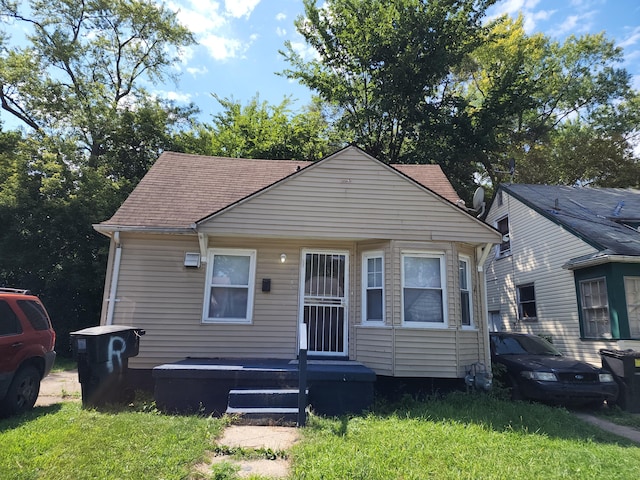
(181, 189)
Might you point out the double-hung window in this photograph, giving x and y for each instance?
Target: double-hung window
(595, 308)
(466, 307)
(527, 302)
(230, 285)
(372, 287)
(424, 297)
(632, 294)
(503, 227)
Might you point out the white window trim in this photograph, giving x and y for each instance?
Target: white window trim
(366, 256)
(506, 253)
(443, 286)
(472, 325)
(211, 253)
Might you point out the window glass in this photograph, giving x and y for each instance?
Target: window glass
(230, 285)
(373, 289)
(9, 323)
(465, 290)
(503, 228)
(527, 302)
(35, 314)
(632, 294)
(423, 291)
(595, 308)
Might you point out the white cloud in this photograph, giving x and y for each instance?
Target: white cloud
(525, 7)
(199, 16)
(177, 96)
(221, 48)
(197, 71)
(281, 16)
(281, 32)
(240, 8)
(579, 23)
(632, 39)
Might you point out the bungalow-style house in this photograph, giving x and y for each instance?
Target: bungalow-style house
(568, 266)
(224, 260)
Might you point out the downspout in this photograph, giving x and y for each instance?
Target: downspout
(482, 253)
(115, 273)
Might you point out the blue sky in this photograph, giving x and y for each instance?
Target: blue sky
(237, 56)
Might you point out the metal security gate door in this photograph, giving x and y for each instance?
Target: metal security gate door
(324, 302)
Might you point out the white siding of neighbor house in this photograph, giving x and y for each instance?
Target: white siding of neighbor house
(539, 248)
(348, 196)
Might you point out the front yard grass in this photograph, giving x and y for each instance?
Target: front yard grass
(460, 436)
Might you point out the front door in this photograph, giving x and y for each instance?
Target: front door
(324, 293)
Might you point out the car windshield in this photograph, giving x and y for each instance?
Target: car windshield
(523, 345)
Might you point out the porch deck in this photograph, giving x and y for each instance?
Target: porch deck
(203, 384)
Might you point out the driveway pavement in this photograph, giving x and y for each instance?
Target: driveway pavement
(59, 387)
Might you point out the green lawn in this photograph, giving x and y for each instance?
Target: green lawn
(460, 437)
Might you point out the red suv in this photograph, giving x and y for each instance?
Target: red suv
(26, 349)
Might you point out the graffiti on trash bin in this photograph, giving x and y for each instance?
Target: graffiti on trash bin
(116, 348)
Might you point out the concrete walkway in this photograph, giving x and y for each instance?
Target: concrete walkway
(620, 430)
(276, 439)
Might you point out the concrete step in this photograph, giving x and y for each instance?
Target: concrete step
(264, 406)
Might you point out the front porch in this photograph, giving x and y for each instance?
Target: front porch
(203, 384)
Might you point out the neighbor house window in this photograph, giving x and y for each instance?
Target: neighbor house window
(527, 302)
(595, 308)
(632, 294)
(230, 285)
(423, 289)
(372, 287)
(464, 273)
(503, 227)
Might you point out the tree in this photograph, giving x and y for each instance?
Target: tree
(562, 111)
(83, 62)
(261, 130)
(386, 65)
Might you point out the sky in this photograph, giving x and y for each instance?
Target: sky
(238, 42)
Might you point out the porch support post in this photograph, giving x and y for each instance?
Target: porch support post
(302, 376)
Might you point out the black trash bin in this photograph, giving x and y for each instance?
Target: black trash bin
(103, 356)
(625, 367)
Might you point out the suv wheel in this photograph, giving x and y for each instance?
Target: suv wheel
(23, 392)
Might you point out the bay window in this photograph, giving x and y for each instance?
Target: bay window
(423, 289)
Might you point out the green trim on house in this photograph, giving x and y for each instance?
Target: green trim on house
(614, 274)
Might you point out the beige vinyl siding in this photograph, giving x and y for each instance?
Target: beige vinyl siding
(422, 352)
(348, 196)
(539, 248)
(374, 348)
(157, 293)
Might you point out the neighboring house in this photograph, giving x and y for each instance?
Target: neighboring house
(568, 267)
(226, 257)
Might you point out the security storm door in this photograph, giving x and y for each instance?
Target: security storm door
(324, 302)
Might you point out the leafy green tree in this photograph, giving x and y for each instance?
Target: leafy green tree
(562, 111)
(261, 130)
(83, 61)
(386, 64)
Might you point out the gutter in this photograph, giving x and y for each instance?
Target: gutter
(109, 229)
(599, 260)
(115, 273)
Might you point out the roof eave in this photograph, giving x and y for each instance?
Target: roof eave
(600, 260)
(109, 229)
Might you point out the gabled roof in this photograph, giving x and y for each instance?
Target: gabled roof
(606, 218)
(181, 189)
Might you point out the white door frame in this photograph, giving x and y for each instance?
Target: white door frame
(332, 298)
